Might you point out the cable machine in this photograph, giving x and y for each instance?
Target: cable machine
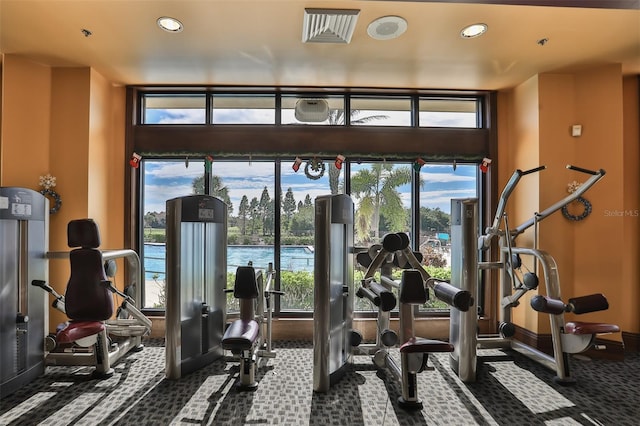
(24, 224)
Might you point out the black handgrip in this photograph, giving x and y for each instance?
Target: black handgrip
(387, 300)
(582, 170)
(548, 305)
(537, 169)
(42, 284)
(452, 295)
(590, 303)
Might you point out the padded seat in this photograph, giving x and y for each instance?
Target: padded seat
(77, 330)
(241, 335)
(420, 345)
(577, 327)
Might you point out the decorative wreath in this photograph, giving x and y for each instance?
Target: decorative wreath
(316, 166)
(47, 182)
(587, 210)
(57, 202)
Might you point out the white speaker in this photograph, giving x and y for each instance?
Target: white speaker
(312, 110)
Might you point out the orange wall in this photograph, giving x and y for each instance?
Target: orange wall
(517, 149)
(75, 131)
(593, 255)
(26, 94)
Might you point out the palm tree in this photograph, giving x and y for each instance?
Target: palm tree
(217, 189)
(337, 118)
(376, 188)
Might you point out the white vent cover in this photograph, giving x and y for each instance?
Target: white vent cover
(312, 110)
(329, 25)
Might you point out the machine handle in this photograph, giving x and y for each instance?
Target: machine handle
(43, 285)
(534, 170)
(587, 171)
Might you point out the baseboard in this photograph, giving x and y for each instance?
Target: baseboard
(631, 341)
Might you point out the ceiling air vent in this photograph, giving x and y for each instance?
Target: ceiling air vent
(329, 25)
(312, 110)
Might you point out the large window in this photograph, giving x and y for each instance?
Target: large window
(439, 184)
(270, 175)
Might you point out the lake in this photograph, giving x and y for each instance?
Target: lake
(292, 258)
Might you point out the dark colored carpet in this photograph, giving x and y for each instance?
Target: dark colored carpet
(510, 390)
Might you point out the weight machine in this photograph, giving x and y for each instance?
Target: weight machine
(24, 227)
(249, 337)
(92, 337)
(195, 283)
(567, 338)
(412, 290)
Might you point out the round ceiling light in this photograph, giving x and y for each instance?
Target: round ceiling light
(169, 24)
(474, 30)
(387, 27)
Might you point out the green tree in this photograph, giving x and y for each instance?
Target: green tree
(434, 219)
(254, 214)
(376, 188)
(337, 118)
(217, 189)
(243, 211)
(288, 206)
(302, 220)
(265, 209)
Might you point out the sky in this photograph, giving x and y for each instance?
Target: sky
(169, 179)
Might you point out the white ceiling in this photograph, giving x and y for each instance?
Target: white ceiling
(259, 42)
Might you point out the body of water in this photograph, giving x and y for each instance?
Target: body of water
(292, 258)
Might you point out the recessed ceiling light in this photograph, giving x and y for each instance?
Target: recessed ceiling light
(474, 30)
(387, 27)
(169, 24)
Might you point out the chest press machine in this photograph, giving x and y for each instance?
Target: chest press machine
(92, 337)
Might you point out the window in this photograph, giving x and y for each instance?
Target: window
(387, 111)
(162, 180)
(441, 112)
(271, 215)
(439, 184)
(299, 190)
(174, 109)
(334, 116)
(243, 109)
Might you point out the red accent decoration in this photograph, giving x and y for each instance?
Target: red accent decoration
(135, 160)
(486, 162)
(339, 161)
(296, 164)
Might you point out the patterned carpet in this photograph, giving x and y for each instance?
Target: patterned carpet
(510, 390)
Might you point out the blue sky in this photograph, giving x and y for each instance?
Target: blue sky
(169, 179)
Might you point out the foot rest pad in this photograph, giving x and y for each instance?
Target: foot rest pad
(577, 327)
(79, 329)
(241, 335)
(420, 345)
